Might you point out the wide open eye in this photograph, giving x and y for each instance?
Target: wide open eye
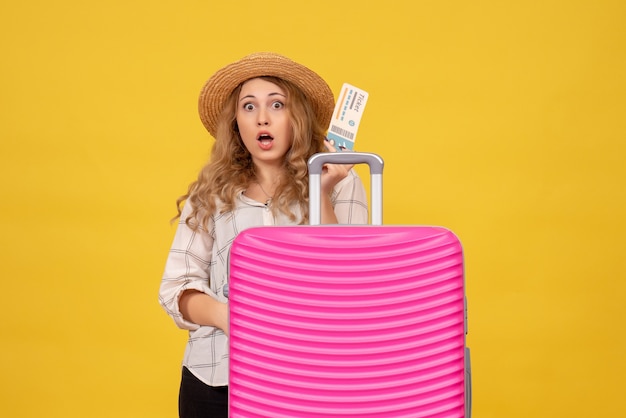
(277, 104)
(248, 106)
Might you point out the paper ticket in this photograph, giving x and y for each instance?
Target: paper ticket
(346, 117)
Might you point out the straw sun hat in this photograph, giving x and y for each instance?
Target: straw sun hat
(224, 81)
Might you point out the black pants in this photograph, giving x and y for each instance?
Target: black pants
(198, 400)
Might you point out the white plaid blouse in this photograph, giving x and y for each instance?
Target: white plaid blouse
(199, 260)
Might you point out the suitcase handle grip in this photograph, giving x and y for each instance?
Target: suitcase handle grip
(316, 164)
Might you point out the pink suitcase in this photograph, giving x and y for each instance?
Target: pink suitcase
(346, 320)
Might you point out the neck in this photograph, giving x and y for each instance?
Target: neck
(268, 176)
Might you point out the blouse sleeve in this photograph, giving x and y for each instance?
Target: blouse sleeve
(350, 200)
(187, 267)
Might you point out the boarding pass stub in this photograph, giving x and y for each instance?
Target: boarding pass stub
(346, 117)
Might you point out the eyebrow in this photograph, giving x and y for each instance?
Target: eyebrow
(252, 96)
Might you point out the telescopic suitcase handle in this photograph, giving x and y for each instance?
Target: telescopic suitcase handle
(316, 164)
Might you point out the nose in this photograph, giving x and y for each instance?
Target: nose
(262, 119)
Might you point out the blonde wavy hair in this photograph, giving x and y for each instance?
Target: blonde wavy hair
(230, 171)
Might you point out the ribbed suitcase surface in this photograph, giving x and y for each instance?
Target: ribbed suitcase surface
(347, 321)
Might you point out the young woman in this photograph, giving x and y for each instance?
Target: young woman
(267, 114)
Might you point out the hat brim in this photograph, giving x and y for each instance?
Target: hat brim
(219, 87)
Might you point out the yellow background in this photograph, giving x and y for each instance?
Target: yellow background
(503, 121)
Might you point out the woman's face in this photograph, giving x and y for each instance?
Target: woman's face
(263, 121)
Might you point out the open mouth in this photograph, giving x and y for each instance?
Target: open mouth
(265, 141)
